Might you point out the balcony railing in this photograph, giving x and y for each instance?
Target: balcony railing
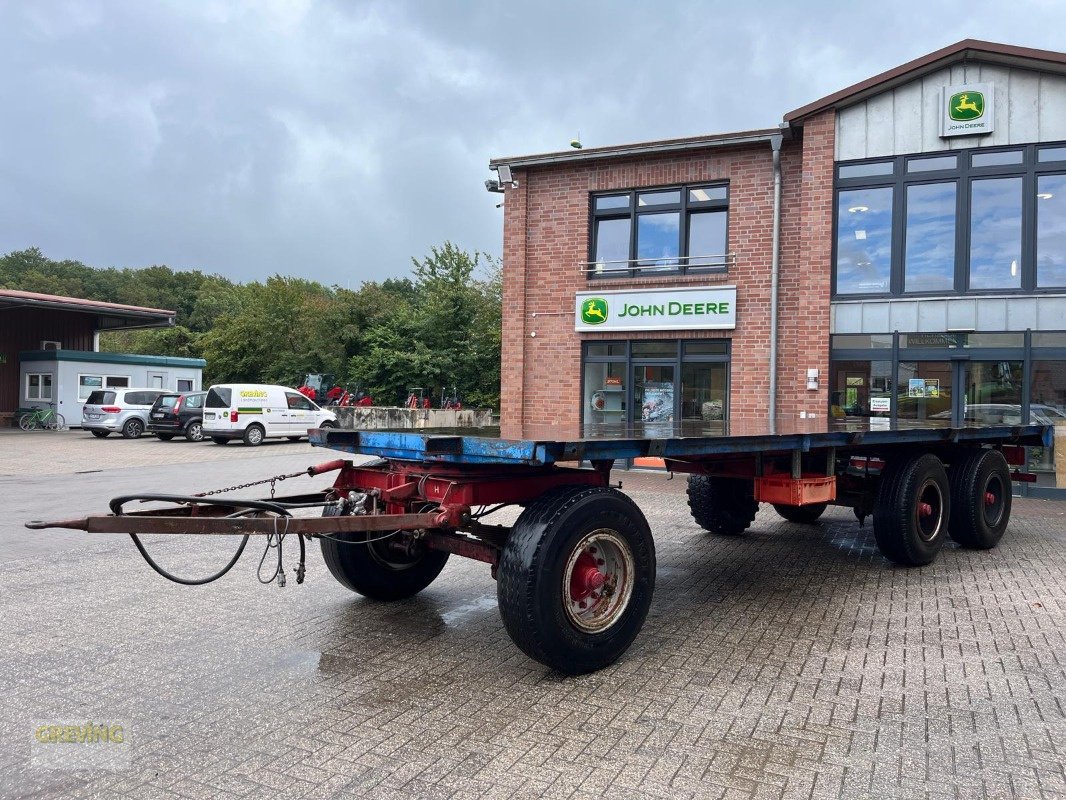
(648, 267)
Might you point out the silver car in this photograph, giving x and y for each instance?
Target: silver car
(122, 411)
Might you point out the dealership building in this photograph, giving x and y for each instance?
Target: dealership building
(893, 251)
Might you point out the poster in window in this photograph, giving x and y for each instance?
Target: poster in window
(658, 403)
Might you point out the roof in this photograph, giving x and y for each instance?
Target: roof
(737, 139)
(111, 315)
(90, 356)
(966, 50)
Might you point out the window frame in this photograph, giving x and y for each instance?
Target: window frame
(963, 175)
(91, 390)
(633, 211)
(40, 385)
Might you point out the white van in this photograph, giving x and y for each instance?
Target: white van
(254, 412)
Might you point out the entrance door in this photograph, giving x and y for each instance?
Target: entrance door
(654, 395)
(962, 391)
(993, 392)
(926, 391)
(157, 380)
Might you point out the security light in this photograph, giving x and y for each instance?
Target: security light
(504, 172)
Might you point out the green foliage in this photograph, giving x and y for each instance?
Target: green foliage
(437, 330)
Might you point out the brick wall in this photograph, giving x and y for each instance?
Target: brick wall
(546, 229)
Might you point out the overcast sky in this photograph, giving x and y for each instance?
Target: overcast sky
(334, 140)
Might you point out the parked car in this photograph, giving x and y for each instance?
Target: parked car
(122, 411)
(254, 412)
(178, 414)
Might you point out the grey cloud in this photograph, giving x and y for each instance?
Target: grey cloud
(335, 140)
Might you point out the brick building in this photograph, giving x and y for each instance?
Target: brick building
(919, 247)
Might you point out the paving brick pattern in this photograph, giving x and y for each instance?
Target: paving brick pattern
(790, 662)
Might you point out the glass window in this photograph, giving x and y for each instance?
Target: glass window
(658, 238)
(1051, 154)
(860, 389)
(653, 393)
(996, 233)
(671, 197)
(924, 390)
(930, 164)
(849, 341)
(665, 348)
(117, 382)
(707, 193)
(1051, 230)
(184, 385)
(87, 384)
(612, 201)
(1047, 406)
(993, 393)
(605, 392)
(864, 241)
(707, 238)
(194, 401)
(996, 159)
(1053, 339)
(711, 347)
(703, 391)
(606, 348)
(39, 386)
(929, 257)
(612, 244)
(992, 339)
(866, 170)
(298, 402)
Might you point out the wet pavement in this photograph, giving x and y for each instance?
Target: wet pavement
(790, 662)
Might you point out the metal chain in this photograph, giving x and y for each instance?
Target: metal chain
(272, 481)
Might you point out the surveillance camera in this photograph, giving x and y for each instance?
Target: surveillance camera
(492, 185)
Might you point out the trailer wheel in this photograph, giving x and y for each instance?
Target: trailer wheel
(912, 511)
(100, 434)
(980, 499)
(375, 570)
(804, 515)
(164, 437)
(576, 578)
(220, 440)
(722, 505)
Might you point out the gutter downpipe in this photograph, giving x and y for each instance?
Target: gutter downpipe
(775, 264)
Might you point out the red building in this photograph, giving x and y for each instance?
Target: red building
(896, 249)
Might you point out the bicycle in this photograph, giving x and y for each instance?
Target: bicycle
(42, 419)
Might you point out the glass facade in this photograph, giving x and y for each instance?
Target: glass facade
(975, 221)
(968, 378)
(660, 380)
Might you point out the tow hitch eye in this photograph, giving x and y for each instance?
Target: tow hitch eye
(586, 578)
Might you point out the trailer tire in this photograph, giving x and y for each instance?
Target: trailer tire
(164, 437)
(369, 570)
(220, 439)
(100, 434)
(725, 506)
(552, 610)
(912, 511)
(804, 515)
(980, 499)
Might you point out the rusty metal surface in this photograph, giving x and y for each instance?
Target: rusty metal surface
(223, 526)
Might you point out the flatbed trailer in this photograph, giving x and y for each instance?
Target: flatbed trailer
(576, 572)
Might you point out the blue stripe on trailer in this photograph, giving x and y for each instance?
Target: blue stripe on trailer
(472, 448)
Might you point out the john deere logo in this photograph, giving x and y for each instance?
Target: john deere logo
(594, 311)
(966, 106)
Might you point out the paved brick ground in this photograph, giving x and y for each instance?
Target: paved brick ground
(791, 662)
(75, 450)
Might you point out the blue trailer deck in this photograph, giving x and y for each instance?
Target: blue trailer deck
(545, 445)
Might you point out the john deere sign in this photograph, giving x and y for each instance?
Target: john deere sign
(967, 110)
(699, 308)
